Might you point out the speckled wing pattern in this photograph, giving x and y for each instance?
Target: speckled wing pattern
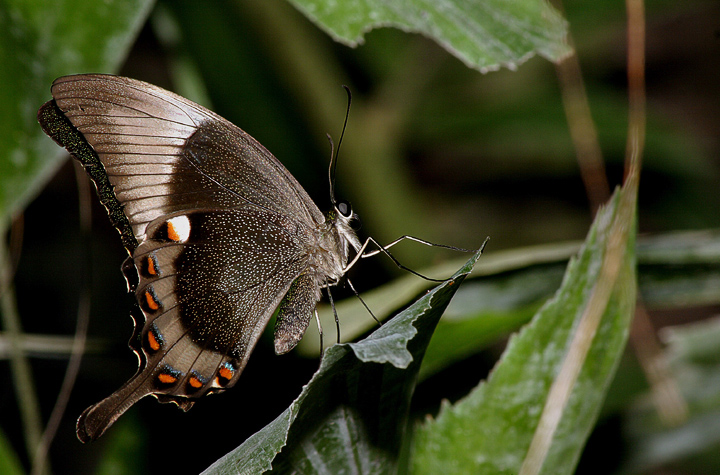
(216, 228)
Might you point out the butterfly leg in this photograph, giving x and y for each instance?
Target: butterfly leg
(320, 331)
(357, 294)
(384, 249)
(411, 238)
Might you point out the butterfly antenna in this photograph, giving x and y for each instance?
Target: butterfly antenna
(335, 152)
(331, 170)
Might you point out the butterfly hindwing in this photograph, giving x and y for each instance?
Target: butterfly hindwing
(200, 322)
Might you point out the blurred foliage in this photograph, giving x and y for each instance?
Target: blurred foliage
(40, 41)
(433, 149)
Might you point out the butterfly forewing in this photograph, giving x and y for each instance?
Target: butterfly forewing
(163, 153)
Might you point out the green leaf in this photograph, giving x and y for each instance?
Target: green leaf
(507, 287)
(352, 415)
(40, 41)
(693, 358)
(484, 34)
(491, 430)
(127, 449)
(9, 462)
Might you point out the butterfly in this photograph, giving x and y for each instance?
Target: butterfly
(219, 235)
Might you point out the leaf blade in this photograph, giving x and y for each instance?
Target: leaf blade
(491, 430)
(484, 34)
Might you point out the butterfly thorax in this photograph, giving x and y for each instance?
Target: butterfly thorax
(332, 249)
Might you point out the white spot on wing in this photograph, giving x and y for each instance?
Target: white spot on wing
(178, 228)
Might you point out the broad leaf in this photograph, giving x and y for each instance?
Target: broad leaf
(40, 41)
(484, 34)
(490, 431)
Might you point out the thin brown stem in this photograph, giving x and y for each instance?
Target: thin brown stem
(78, 347)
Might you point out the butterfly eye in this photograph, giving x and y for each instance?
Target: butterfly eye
(344, 208)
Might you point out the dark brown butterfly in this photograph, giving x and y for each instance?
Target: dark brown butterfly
(219, 235)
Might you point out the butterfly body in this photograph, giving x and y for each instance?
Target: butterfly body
(219, 235)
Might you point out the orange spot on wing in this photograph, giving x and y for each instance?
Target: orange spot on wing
(166, 378)
(172, 232)
(151, 266)
(195, 382)
(151, 302)
(152, 341)
(226, 372)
